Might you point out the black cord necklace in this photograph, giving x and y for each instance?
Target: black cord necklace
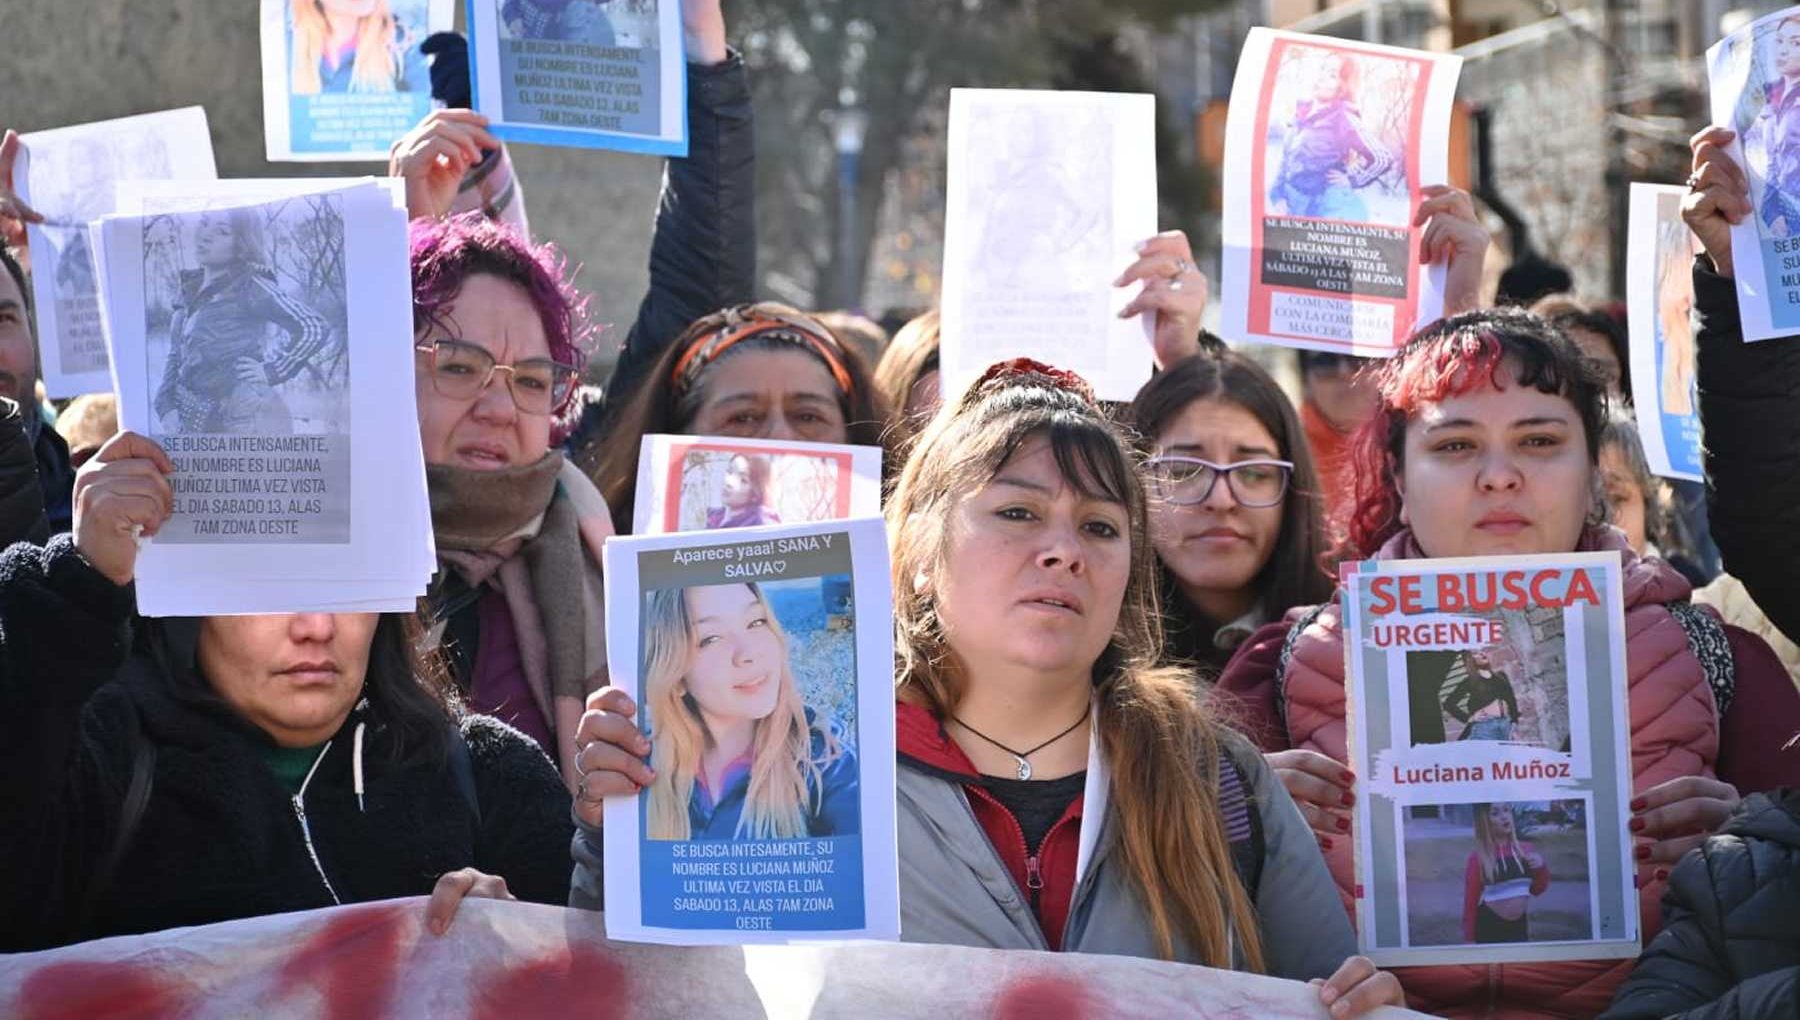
(1024, 767)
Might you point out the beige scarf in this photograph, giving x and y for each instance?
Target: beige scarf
(534, 533)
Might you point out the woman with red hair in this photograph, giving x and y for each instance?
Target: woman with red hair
(1486, 443)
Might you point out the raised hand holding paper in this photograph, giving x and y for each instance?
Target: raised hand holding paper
(581, 72)
(1488, 715)
(696, 484)
(256, 342)
(762, 664)
(69, 177)
(1330, 143)
(1660, 294)
(344, 79)
(1048, 195)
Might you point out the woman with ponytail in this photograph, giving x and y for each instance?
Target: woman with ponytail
(1031, 704)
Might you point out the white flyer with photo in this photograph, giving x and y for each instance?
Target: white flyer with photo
(704, 483)
(1754, 78)
(1049, 194)
(68, 176)
(1659, 289)
(762, 664)
(1488, 724)
(1329, 142)
(264, 347)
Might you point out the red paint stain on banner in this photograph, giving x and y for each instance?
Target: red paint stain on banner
(82, 989)
(1043, 997)
(580, 981)
(353, 962)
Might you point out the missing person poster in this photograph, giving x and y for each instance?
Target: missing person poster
(69, 177)
(688, 483)
(602, 74)
(1754, 77)
(253, 341)
(762, 665)
(344, 79)
(1659, 288)
(1330, 142)
(1048, 195)
(1488, 719)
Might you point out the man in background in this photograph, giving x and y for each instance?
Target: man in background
(18, 382)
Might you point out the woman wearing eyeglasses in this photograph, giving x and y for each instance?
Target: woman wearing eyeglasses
(1234, 505)
(516, 604)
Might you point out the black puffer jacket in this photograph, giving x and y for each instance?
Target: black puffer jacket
(1750, 409)
(1730, 943)
(220, 837)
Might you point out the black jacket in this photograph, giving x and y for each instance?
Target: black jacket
(1750, 411)
(1730, 943)
(220, 837)
(21, 496)
(703, 253)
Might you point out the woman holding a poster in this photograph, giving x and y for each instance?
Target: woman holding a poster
(1503, 874)
(736, 753)
(763, 371)
(745, 494)
(1486, 443)
(355, 46)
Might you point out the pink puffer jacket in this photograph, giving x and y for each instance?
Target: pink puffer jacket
(1674, 733)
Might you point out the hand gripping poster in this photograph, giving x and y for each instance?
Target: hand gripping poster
(253, 340)
(602, 74)
(762, 664)
(688, 483)
(69, 176)
(1328, 144)
(1048, 194)
(1659, 288)
(1754, 76)
(1488, 721)
(344, 79)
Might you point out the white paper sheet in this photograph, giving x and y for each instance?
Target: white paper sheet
(1489, 694)
(695, 483)
(1328, 143)
(68, 176)
(1048, 195)
(825, 613)
(1754, 96)
(582, 73)
(320, 105)
(1659, 289)
(298, 457)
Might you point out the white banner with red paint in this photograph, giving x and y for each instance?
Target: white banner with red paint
(511, 960)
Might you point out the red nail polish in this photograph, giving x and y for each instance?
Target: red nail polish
(1638, 804)
(1349, 799)
(1343, 825)
(1662, 874)
(1325, 843)
(1637, 825)
(1643, 853)
(1348, 777)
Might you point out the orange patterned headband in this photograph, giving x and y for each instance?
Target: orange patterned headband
(814, 338)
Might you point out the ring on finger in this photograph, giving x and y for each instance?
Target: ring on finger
(1175, 283)
(581, 793)
(1693, 181)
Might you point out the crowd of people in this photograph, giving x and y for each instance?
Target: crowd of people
(1155, 578)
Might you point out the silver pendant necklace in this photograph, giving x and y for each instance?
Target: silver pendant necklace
(1019, 757)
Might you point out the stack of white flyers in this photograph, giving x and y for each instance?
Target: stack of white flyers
(762, 664)
(68, 177)
(259, 331)
(587, 73)
(703, 483)
(1329, 143)
(1048, 195)
(1489, 725)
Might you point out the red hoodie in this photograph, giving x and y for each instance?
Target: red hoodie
(1047, 879)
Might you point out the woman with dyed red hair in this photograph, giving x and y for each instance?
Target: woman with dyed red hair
(516, 604)
(1486, 443)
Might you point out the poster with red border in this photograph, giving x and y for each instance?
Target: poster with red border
(705, 483)
(1338, 138)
